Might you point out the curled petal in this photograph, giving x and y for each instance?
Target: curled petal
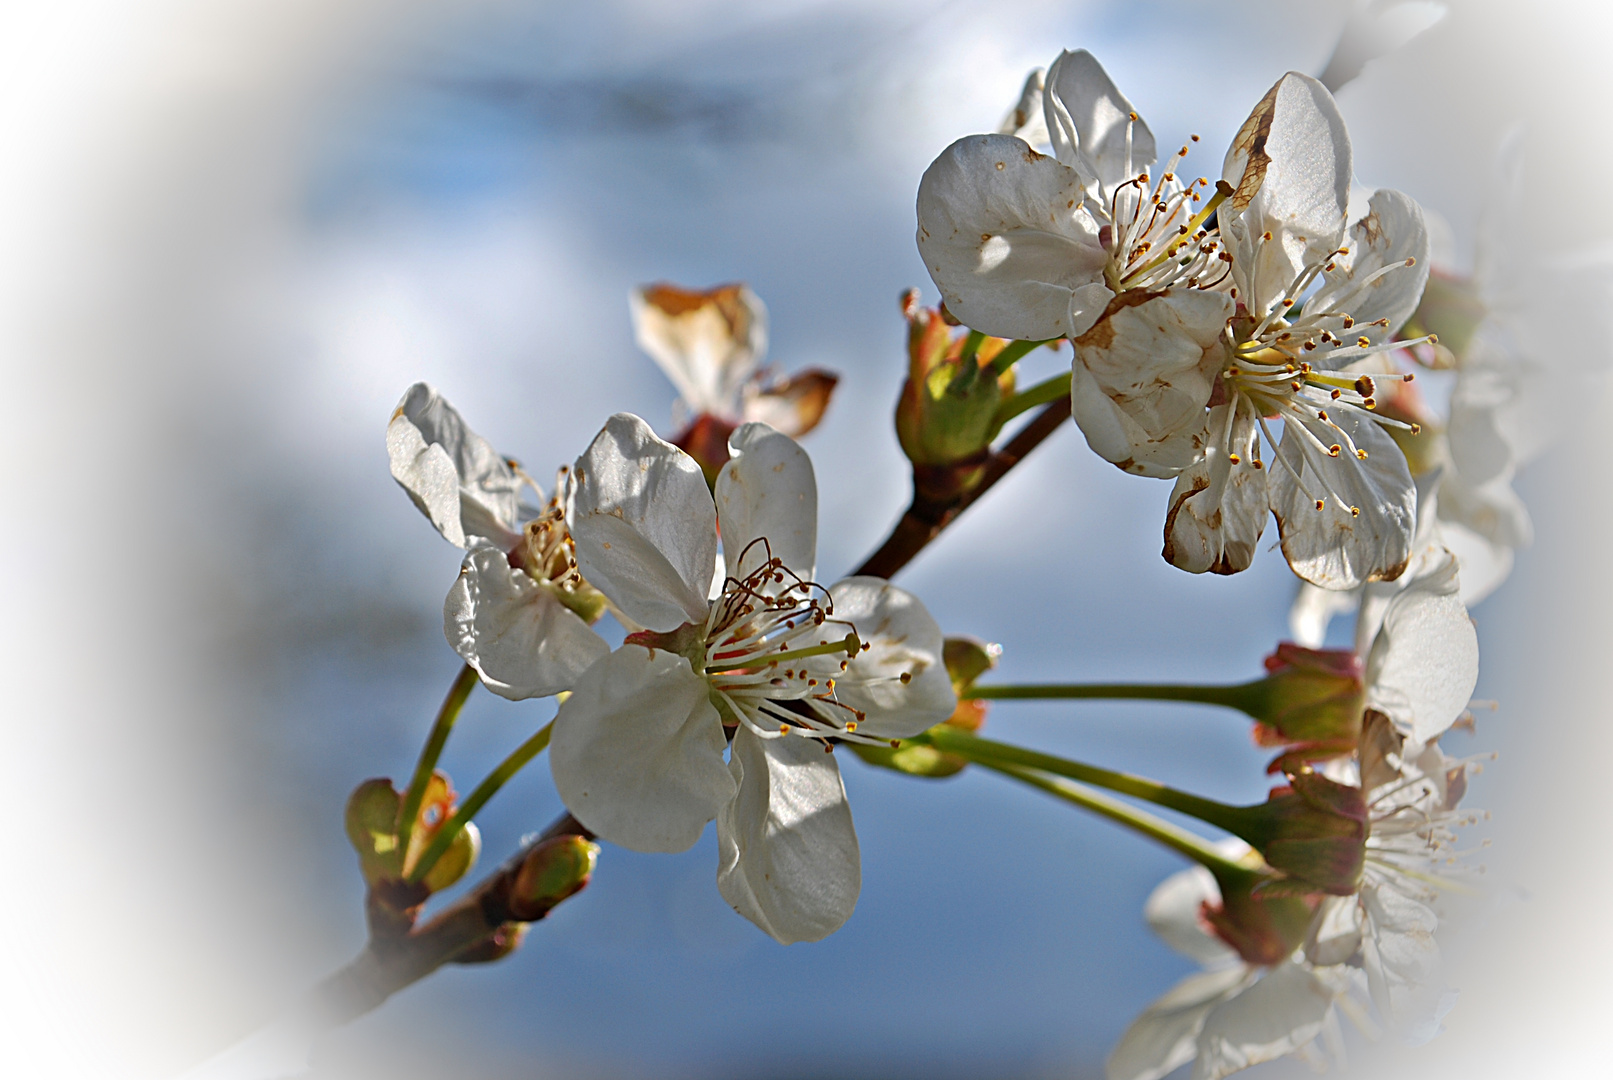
(767, 502)
(645, 525)
(513, 630)
(900, 681)
(1142, 375)
(1087, 118)
(708, 343)
(637, 751)
(795, 405)
(1333, 547)
(453, 475)
(1425, 661)
(1289, 166)
(1218, 509)
(1002, 233)
(1025, 120)
(787, 851)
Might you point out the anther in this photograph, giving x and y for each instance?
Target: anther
(1362, 454)
(1408, 377)
(1336, 394)
(1364, 386)
(1319, 504)
(1320, 415)
(1355, 511)
(1363, 341)
(907, 677)
(1369, 403)
(1233, 458)
(1334, 450)
(1416, 429)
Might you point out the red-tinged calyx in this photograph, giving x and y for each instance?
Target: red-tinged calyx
(1313, 831)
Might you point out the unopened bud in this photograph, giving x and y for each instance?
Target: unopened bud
(947, 414)
(372, 828)
(552, 871)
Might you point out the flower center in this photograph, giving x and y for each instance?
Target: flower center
(1158, 236)
(773, 651)
(1291, 364)
(548, 555)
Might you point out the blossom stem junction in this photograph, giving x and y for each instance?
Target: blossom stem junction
(440, 729)
(1173, 836)
(1040, 394)
(478, 798)
(1014, 352)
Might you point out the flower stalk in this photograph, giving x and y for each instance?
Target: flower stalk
(479, 797)
(458, 693)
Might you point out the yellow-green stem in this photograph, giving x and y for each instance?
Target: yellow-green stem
(440, 729)
(478, 799)
(1040, 394)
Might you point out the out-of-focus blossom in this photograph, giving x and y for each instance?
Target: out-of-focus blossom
(519, 612)
(1374, 29)
(1376, 944)
(711, 343)
(762, 656)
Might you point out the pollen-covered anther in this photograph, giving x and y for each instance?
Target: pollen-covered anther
(1365, 387)
(1320, 504)
(1362, 454)
(1363, 342)
(1336, 394)
(1408, 377)
(1355, 511)
(906, 677)
(1233, 458)
(1320, 415)
(1335, 450)
(1416, 429)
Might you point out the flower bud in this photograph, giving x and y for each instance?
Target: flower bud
(551, 872)
(1264, 929)
(1313, 831)
(1311, 701)
(966, 659)
(1450, 308)
(947, 414)
(372, 828)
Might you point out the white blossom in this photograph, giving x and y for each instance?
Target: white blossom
(519, 612)
(764, 657)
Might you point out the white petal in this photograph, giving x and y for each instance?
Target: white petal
(453, 475)
(1142, 374)
(708, 343)
(767, 492)
(1391, 233)
(1277, 1015)
(1002, 233)
(1425, 661)
(1331, 547)
(514, 632)
(1025, 120)
(1314, 610)
(902, 638)
(788, 858)
(1402, 962)
(1173, 913)
(637, 752)
(1374, 30)
(1290, 167)
(1218, 509)
(645, 525)
(1081, 96)
(1165, 1036)
(1485, 564)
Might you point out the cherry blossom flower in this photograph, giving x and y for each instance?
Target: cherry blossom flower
(519, 613)
(761, 656)
(1375, 946)
(710, 344)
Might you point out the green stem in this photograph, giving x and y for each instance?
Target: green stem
(1040, 394)
(1173, 836)
(994, 754)
(451, 705)
(971, 345)
(478, 799)
(1014, 352)
(1240, 696)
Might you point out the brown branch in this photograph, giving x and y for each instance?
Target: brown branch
(400, 954)
(925, 519)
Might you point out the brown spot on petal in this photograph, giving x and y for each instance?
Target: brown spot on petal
(1102, 335)
(1250, 145)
